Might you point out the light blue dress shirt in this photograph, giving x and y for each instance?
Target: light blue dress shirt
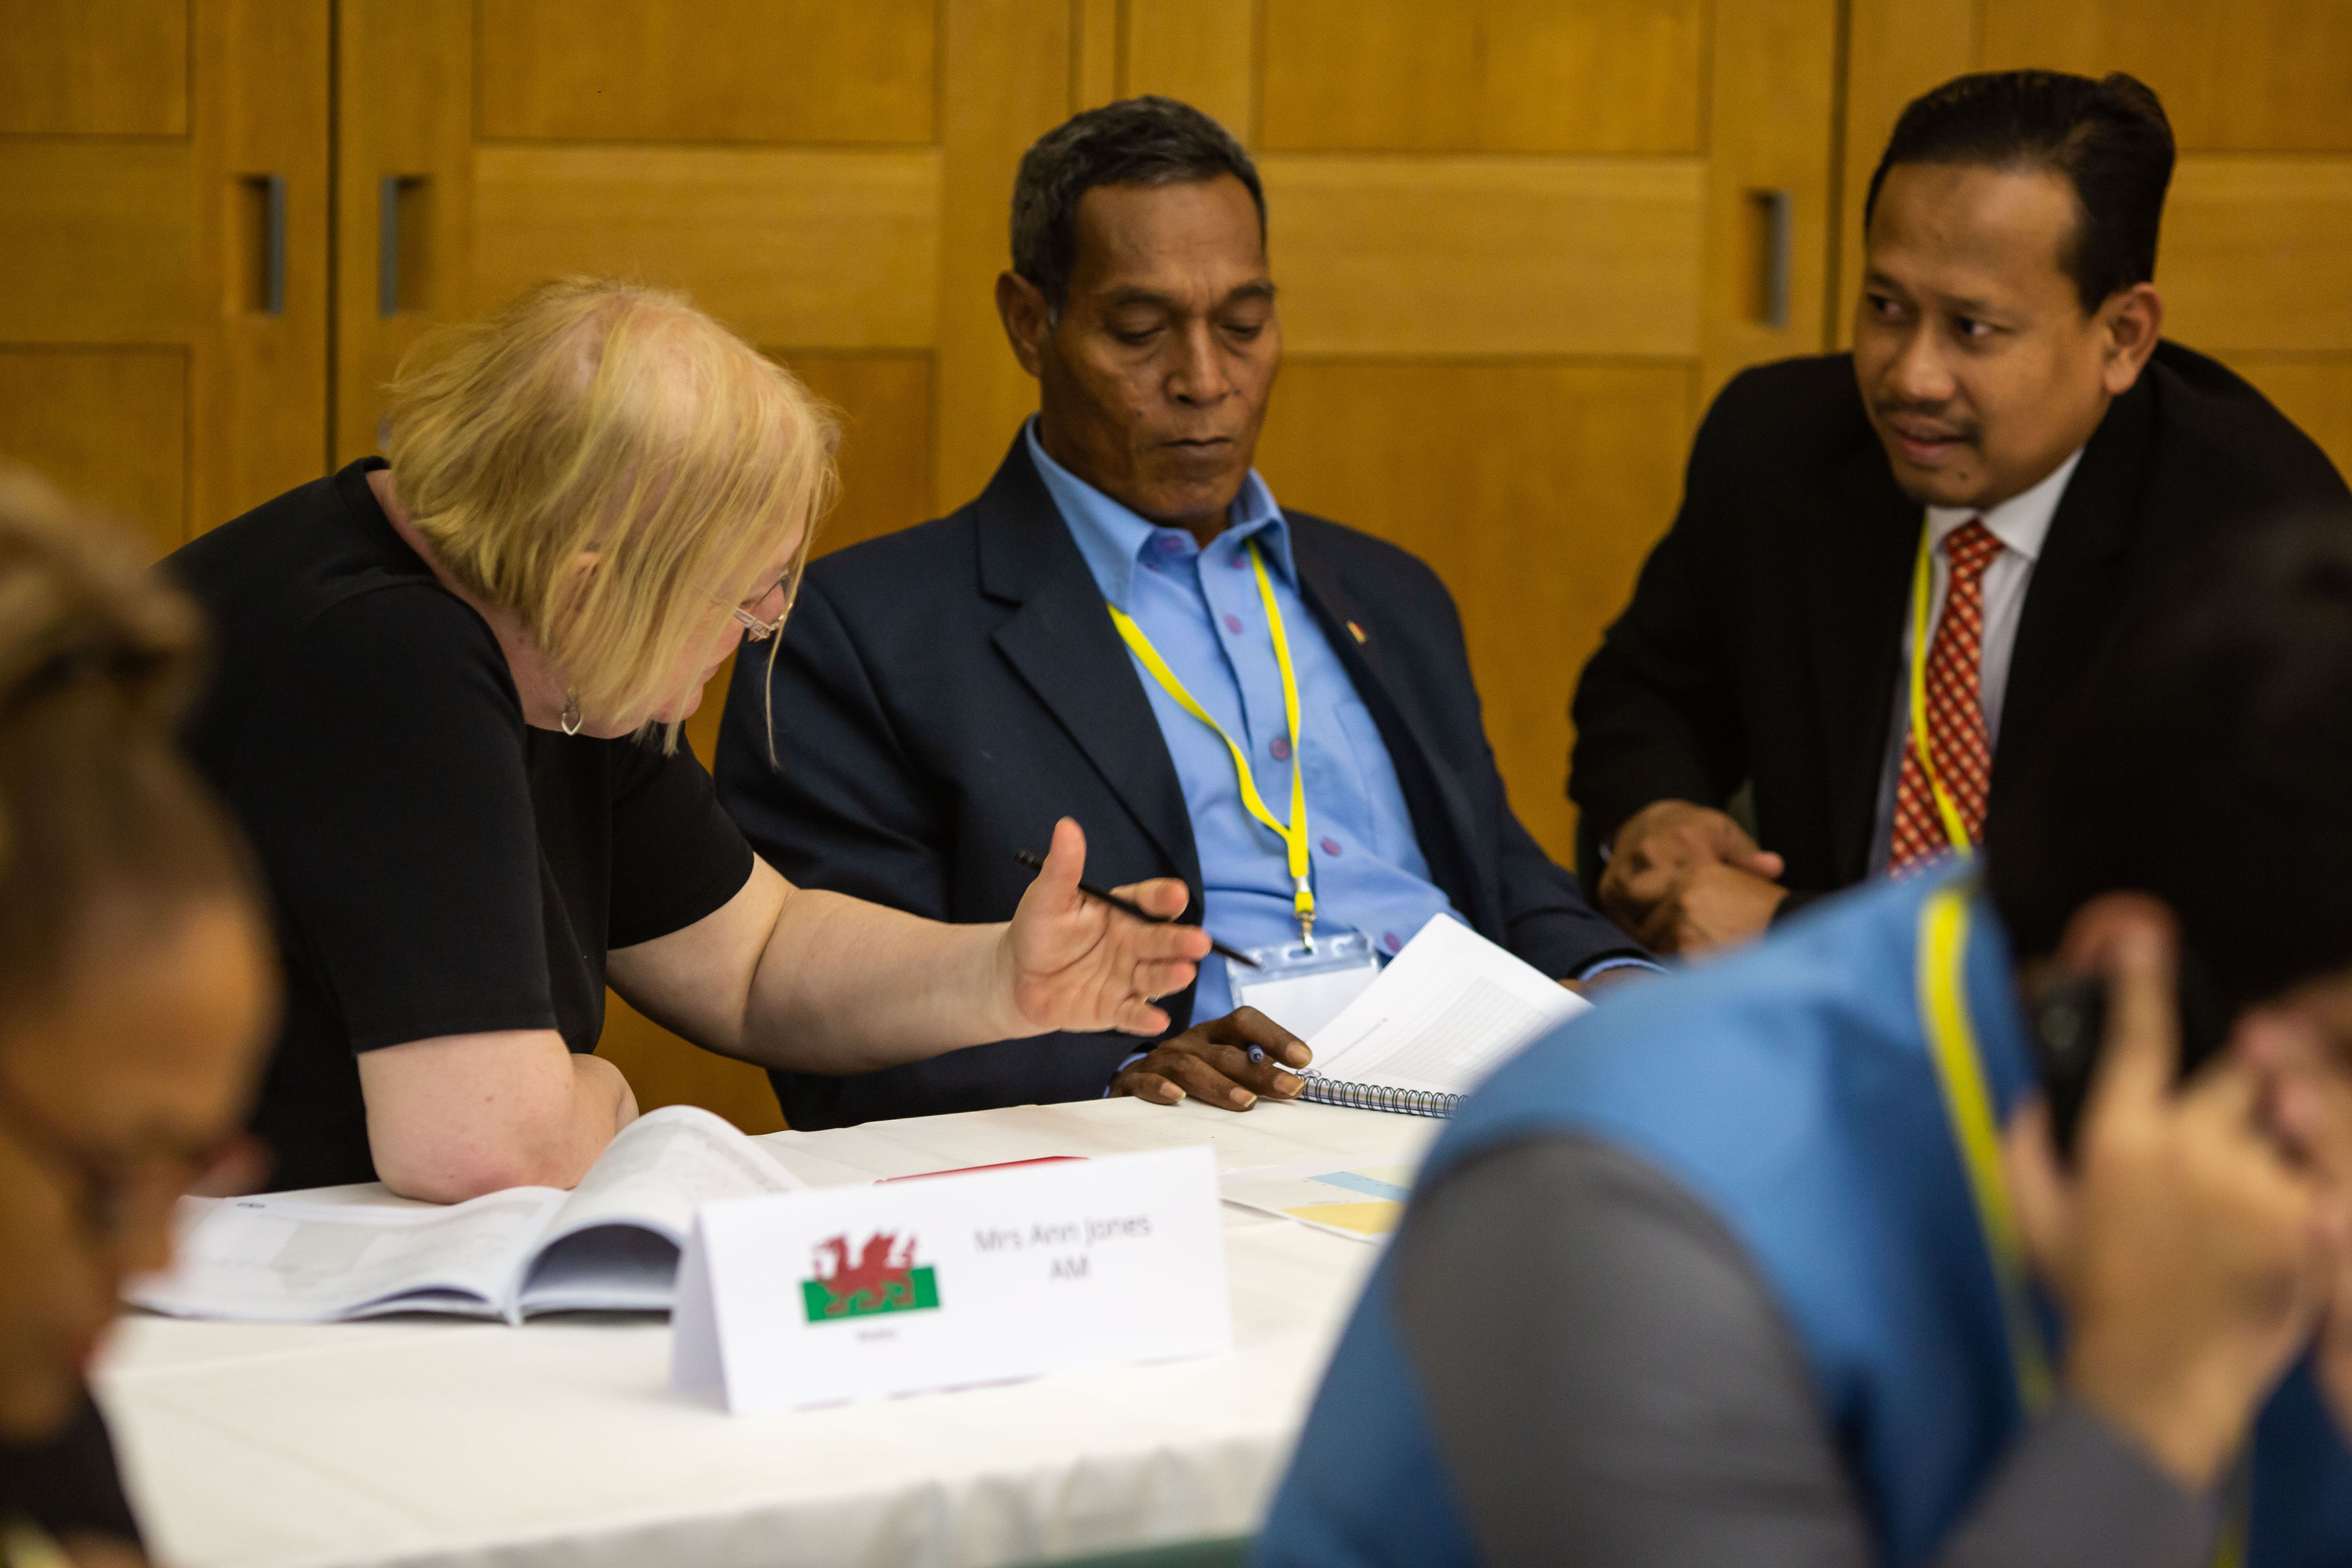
(1202, 611)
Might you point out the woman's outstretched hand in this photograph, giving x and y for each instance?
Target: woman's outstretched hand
(1074, 963)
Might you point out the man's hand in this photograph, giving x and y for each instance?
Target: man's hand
(1712, 905)
(2310, 1106)
(1212, 1063)
(1685, 878)
(2193, 1255)
(1069, 962)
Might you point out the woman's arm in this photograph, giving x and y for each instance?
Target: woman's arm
(814, 981)
(453, 1118)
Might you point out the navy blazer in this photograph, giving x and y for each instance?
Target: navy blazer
(941, 695)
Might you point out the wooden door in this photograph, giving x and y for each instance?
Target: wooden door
(2255, 263)
(830, 179)
(164, 270)
(1519, 245)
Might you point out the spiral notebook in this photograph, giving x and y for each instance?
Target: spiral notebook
(1448, 1009)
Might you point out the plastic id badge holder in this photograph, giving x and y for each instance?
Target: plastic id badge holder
(1302, 989)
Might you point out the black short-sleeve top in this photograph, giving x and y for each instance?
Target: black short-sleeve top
(437, 866)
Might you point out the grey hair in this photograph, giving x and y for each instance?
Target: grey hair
(1148, 141)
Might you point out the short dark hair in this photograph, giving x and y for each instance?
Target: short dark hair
(2109, 138)
(2208, 762)
(1148, 141)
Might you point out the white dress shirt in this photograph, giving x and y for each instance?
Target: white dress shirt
(2021, 523)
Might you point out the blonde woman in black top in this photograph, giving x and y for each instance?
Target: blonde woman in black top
(135, 997)
(446, 713)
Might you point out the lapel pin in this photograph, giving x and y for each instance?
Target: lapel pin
(1358, 632)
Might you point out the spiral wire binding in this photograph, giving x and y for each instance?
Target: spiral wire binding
(1321, 1091)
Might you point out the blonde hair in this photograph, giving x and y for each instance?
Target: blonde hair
(595, 417)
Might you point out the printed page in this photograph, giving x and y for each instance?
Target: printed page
(1445, 1012)
(264, 1259)
(615, 1243)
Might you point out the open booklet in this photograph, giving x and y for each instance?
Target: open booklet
(1443, 1013)
(612, 1243)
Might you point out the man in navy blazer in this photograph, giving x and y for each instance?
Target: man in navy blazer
(1124, 628)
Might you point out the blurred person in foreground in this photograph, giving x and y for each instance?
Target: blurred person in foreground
(136, 994)
(1894, 567)
(446, 713)
(1126, 626)
(1778, 1261)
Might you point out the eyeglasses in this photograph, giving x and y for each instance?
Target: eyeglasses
(114, 1190)
(754, 628)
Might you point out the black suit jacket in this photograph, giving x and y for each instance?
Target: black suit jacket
(1765, 637)
(942, 695)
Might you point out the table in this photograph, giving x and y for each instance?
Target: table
(445, 1442)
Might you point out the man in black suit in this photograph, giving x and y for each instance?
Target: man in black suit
(942, 695)
(2008, 454)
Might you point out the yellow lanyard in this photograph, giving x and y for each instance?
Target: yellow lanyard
(1959, 1071)
(1956, 828)
(1293, 835)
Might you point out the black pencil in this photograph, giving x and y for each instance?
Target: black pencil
(1038, 863)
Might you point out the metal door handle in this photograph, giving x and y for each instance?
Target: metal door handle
(393, 295)
(261, 271)
(1778, 211)
(273, 266)
(387, 258)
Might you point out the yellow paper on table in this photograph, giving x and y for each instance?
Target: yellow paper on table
(1365, 1201)
(1363, 1219)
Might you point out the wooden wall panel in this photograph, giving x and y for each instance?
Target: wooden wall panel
(885, 403)
(2257, 254)
(101, 244)
(1457, 256)
(1770, 138)
(1534, 489)
(1095, 64)
(1484, 76)
(1200, 51)
(154, 243)
(109, 425)
(93, 67)
(716, 70)
(1010, 64)
(406, 111)
(258, 409)
(831, 249)
(2270, 76)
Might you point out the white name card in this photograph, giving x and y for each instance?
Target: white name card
(840, 1294)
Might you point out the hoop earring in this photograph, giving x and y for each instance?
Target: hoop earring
(571, 719)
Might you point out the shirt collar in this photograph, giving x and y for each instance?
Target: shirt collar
(2021, 522)
(1113, 538)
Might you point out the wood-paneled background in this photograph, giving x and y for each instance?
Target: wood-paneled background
(1519, 242)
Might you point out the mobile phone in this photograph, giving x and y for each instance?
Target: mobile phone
(2069, 1020)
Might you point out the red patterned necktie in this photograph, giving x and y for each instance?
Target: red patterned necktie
(1956, 737)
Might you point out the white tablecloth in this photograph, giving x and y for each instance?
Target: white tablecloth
(448, 1442)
